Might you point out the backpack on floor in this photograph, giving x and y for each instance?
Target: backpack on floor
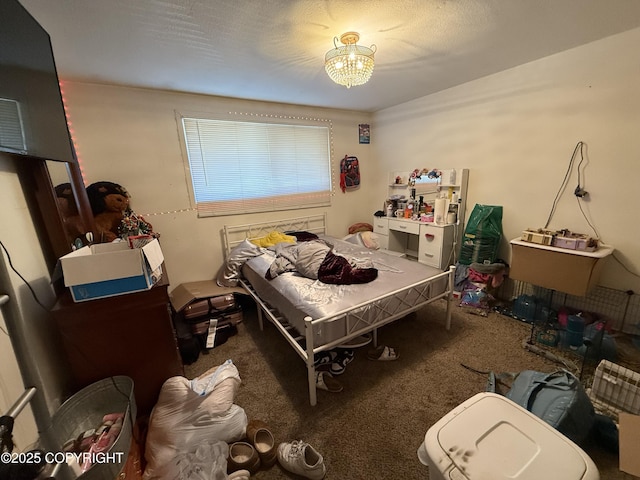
(349, 173)
(558, 398)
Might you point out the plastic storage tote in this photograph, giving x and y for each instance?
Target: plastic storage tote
(489, 437)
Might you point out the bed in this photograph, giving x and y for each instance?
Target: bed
(314, 316)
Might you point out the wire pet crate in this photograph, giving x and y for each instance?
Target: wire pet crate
(615, 389)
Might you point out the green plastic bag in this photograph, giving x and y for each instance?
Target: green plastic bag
(482, 235)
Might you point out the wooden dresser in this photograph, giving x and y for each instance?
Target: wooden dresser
(129, 334)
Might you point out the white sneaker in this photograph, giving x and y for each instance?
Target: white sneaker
(302, 459)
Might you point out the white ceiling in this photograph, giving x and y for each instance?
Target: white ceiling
(273, 50)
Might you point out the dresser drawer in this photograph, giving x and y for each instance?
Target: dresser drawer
(406, 226)
(430, 245)
(381, 225)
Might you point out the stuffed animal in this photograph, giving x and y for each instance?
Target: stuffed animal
(112, 213)
(109, 202)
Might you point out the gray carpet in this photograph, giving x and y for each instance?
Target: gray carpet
(372, 429)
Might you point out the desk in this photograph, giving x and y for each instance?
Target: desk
(129, 334)
(429, 243)
(569, 271)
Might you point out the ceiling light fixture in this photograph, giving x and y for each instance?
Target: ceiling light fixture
(350, 64)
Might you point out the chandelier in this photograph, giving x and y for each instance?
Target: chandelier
(349, 64)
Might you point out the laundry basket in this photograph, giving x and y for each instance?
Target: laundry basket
(84, 411)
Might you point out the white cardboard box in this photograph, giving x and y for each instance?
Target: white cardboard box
(108, 269)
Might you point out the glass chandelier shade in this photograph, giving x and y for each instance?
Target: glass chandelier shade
(349, 64)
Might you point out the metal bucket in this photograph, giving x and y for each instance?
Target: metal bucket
(84, 411)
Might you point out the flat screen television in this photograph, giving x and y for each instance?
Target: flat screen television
(32, 117)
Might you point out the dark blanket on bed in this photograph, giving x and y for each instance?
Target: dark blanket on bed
(314, 259)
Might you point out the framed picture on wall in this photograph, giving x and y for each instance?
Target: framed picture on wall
(364, 133)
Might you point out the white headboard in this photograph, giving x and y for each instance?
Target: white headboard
(236, 234)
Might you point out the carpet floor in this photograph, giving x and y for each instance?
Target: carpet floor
(373, 428)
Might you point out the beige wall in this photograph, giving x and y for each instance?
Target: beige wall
(130, 136)
(516, 131)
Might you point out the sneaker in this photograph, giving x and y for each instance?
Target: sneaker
(340, 363)
(302, 459)
(323, 360)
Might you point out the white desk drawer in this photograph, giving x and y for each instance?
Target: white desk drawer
(430, 246)
(406, 226)
(381, 225)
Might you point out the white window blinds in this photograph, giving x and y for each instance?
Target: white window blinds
(247, 167)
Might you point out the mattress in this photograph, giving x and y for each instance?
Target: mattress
(391, 293)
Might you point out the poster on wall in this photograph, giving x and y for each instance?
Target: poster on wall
(364, 133)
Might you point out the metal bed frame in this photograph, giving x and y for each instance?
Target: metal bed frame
(381, 310)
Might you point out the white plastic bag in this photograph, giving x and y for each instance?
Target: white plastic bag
(208, 462)
(193, 413)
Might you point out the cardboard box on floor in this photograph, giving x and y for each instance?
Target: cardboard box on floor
(629, 441)
(568, 271)
(186, 293)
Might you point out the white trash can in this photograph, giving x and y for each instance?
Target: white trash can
(489, 437)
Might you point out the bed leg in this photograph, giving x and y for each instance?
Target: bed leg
(375, 337)
(311, 369)
(311, 376)
(452, 277)
(260, 321)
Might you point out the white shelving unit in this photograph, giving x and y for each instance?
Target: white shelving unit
(430, 243)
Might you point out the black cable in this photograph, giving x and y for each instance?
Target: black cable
(22, 278)
(564, 182)
(586, 219)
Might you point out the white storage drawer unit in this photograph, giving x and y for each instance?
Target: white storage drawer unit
(381, 229)
(431, 244)
(406, 226)
(436, 244)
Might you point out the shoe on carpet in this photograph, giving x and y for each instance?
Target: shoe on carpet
(261, 438)
(242, 456)
(325, 381)
(340, 363)
(323, 360)
(240, 475)
(302, 459)
(383, 353)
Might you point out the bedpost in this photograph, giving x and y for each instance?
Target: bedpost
(452, 278)
(311, 369)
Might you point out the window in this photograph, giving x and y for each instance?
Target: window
(255, 166)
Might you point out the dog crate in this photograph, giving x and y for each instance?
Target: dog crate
(615, 389)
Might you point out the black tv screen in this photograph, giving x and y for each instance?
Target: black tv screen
(32, 117)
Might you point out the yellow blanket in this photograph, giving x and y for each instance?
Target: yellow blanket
(272, 238)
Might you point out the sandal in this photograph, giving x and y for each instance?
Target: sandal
(383, 353)
(325, 381)
(341, 361)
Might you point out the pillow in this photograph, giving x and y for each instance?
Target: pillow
(229, 274)
(365, 239)
(361, 227)
(370, 240)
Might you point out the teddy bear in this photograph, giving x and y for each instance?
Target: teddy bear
(109, 202)
(113, 216)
